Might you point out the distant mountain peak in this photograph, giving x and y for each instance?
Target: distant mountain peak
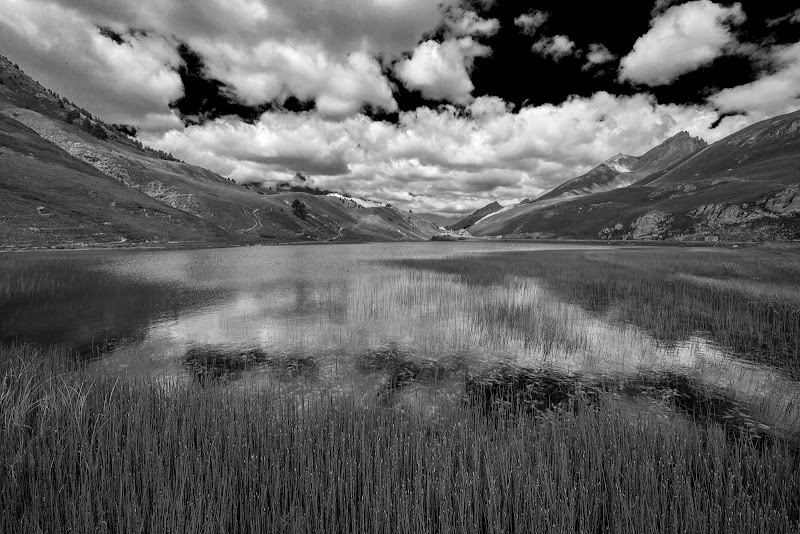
(621, 162)
(476, 216)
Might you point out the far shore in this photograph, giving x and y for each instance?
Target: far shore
(197, 245)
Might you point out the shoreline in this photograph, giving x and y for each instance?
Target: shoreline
(193, 245)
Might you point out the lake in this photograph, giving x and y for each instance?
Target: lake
(365, 320)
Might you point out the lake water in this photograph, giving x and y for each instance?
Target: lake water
(306, 318)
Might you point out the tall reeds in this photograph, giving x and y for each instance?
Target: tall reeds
(99, 454)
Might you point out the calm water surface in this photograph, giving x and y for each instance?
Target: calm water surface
(306, 318)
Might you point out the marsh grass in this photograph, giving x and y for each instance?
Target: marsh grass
(440, 314)
(88, 453)
(747, 301)
(549, 444)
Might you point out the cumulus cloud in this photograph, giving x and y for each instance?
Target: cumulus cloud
(120, 81)
(388, 27)
(440, 71)
(531, 21)
(775, 92)
(461, 23)
(274, 71)
(264, 50)
(680, 40)
(598, 54)
(451, 160)
(488, 106)
(557, 47)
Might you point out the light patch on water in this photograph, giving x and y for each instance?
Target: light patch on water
(436, 317)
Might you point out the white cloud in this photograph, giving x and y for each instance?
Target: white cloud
(531, 21)
(598, 54)
(680, 40)
(67, 53)
(450, 160)
(488, 106)
(469, 23)
(273, 71)
(264, 50)
(776, 92)
(388, 27)
(440, 71)
(557, 47)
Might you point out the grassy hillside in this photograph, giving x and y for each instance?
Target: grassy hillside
(476, 216)
(49, 198)
(68, 179)
(768, 151)
(744, 187)
(587, 216)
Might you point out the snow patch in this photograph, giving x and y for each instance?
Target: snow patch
(507, 208)
(621, 162)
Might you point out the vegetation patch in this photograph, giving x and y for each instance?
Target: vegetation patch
(94, 454)
(215, 362)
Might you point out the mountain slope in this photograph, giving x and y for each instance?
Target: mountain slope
(601, 178)
(475, 216)
(48, 198)
(767, 151)
(744, 187)
(623, 170)
(77, 155)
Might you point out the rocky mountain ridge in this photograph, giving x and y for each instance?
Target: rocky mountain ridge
(622, 170)
(743, 187)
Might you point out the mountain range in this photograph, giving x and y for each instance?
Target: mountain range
(622, 170)
(67, 179)
(743, 187)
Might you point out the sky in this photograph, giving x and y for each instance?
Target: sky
(437, 106)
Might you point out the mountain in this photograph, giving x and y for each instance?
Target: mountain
(623, 170)
(69, 179)
(475, 216)
(743, 187)
(441, 220)
(768, 151)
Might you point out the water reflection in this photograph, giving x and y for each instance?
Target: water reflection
(312, 318)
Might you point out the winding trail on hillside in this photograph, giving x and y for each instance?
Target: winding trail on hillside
(257, 218)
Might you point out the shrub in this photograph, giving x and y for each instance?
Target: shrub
(299, 208)
(98, 131)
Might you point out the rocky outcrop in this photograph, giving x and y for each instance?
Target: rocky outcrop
(612, 232)
(767, 218)
(47, 129)
(174, 198)
(652, 225)
(720, 215)
(786, 203)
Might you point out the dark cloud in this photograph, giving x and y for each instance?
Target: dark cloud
(204, 97)
(723, 116)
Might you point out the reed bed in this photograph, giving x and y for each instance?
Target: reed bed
(437, 311)
(98, 454)
(747, 301)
